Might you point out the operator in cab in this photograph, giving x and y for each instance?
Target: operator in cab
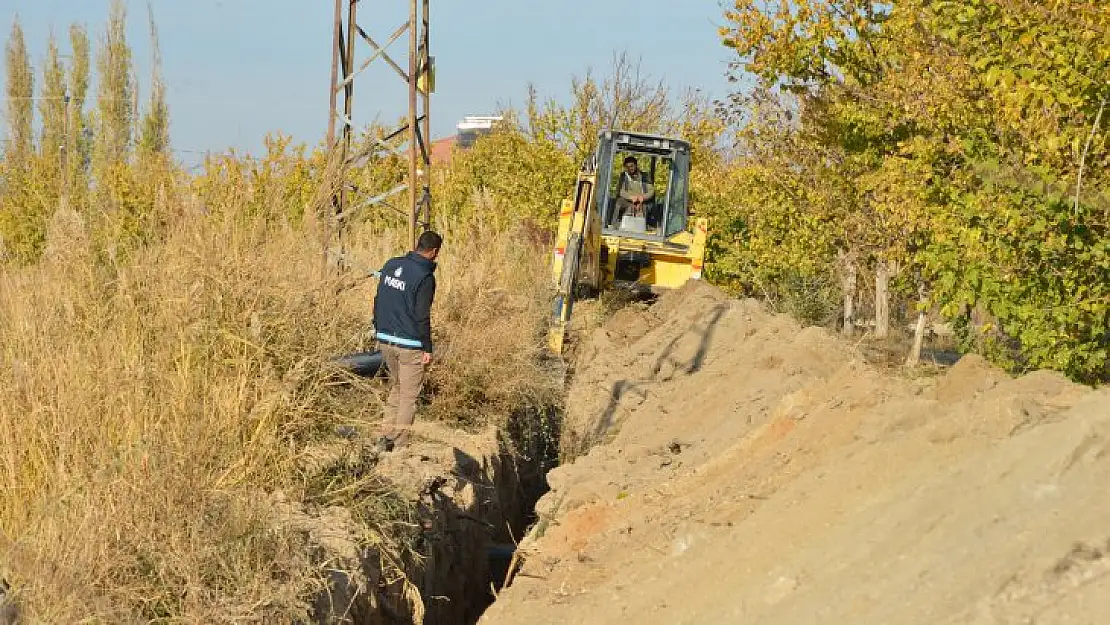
(633, 191)
(403, 326)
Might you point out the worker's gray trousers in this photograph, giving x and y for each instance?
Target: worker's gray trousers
(406, 376)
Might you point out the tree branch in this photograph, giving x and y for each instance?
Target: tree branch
(1083, 159)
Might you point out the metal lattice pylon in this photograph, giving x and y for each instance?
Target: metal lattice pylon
(418, 75)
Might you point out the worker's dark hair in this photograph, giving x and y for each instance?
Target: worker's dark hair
(428, 241)
(631, 159)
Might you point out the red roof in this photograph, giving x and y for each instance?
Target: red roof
(441, 150)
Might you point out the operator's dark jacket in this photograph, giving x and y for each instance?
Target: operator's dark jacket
(403, 305)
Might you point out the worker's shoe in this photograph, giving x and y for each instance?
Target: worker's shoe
(383, 445)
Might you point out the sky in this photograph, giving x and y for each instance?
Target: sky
(238, 69)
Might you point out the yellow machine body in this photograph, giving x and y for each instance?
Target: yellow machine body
(670, 264)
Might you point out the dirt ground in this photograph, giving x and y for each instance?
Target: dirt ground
(463, 493)
(738, 468)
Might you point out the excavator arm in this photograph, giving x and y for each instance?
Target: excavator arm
(573, 248)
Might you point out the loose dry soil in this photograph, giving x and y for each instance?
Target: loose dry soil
(739, 468)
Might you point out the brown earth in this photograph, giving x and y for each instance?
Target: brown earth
(739, 468)
(464, 492)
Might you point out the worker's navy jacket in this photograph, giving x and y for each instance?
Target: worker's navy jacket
(403, 305)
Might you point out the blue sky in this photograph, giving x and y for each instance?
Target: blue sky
(237, 69)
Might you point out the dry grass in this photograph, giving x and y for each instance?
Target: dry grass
(492, 312)
(150, 408)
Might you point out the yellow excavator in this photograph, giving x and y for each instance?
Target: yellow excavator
(606, 240)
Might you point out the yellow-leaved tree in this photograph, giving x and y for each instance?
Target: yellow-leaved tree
(964, 139)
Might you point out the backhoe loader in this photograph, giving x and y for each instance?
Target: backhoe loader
(656, 246)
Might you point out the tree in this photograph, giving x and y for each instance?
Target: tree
(155, 133)
(525, 168)
(77, 159)
(119, 223)
(115, 99)
(627, 99)
(20, 94)
(960, 134)
(20, 226)
(52, 145)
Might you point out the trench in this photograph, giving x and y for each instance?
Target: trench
(471, 514)
(472, 555)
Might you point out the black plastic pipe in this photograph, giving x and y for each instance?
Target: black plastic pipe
(364, 364)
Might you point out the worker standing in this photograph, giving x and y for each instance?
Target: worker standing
(403, 326)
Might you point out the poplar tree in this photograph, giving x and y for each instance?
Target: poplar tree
(117, 211)
(78, 80)
(153, 164)
(155, 134)
(20, 99)
(52, 109)
(19, 238)
(115, 104)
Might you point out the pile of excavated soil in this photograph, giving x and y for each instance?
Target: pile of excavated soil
(738, 468)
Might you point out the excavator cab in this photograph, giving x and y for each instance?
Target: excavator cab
(662, 167)
(605, 240)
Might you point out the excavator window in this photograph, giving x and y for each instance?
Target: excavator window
(678, 210)
(645, 218)
(663, 213)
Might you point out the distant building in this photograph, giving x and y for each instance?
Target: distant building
(473, 126)
(467, 132)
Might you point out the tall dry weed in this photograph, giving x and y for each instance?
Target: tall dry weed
(151, 409)
(142, 413)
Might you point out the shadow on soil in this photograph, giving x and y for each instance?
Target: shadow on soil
(470, 549)
(704, 330)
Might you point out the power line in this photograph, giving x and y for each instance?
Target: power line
(65, 98)
(5, 142)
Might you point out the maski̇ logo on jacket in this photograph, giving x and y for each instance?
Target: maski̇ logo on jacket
(390, 281)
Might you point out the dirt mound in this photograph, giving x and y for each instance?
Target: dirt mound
(735, 467)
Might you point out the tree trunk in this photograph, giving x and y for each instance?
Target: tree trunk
(849, 296)
(914, 356)
(882, 300)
